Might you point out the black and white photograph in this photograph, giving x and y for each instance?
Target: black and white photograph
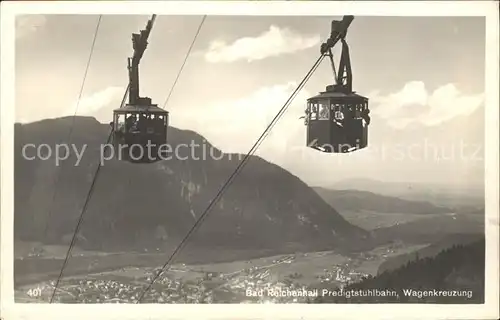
(227, 153)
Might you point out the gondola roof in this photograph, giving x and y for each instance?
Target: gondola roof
(332, 94)
(136, 108)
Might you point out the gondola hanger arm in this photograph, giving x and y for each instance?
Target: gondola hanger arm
(139, 44)
(338, 32)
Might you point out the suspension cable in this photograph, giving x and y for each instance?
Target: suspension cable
(91, 190)
(75, 233)
(70, 134)
(185, 60)
(233, 175)
(84, 208)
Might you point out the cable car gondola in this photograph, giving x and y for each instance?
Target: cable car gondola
(139, 127)
(337, 119)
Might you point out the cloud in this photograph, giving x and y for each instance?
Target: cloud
(27, 24)
(415, 104)
(272, 43)
(97, 100)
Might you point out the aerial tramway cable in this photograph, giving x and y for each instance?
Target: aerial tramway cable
(69, 138)
(91, 190)
(234, 174)
(70, 134)
(185, 60)
(89, 195)
(73, 239)
(84, 208)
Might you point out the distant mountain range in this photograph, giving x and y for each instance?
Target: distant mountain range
(453, 197)
(432, 224)
(149, 206)
(432, 229)
(355, 200)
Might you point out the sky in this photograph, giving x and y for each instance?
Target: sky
(424, 77)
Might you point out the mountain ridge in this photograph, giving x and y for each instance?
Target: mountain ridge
(265, 207)
(366, 200)
(453, 197)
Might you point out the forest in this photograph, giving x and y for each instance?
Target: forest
(458, 270)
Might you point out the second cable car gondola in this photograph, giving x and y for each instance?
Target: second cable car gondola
(337, 119)
(139, 127)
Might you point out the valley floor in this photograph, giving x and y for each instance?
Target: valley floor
(227, 282)
(100, 277)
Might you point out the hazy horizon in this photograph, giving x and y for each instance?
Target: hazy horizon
(239, 75)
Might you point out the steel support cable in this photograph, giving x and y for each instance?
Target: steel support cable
(70, 134)
(233, 175)
(89, 196)
(84, 208)
(80, 219)
(185, 60)
(124, 99)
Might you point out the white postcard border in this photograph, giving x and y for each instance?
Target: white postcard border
(489, 310)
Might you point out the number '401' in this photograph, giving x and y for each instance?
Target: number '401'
(36, 292)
